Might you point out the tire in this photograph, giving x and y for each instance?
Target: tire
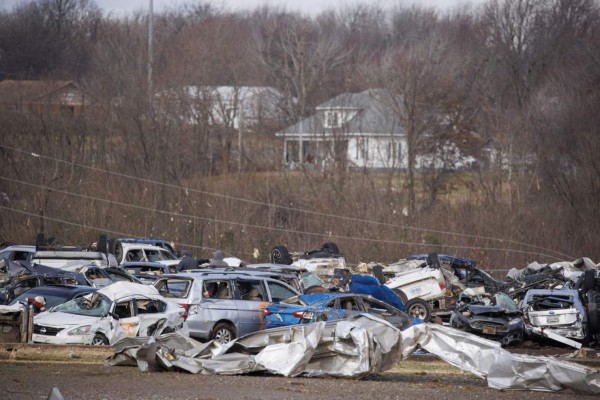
(378, 273)
(589, 281)
(118, 251)
(99, 340)
(330, 247)
(223, 333)
(102, 245)
(281, 255)
(418, 308)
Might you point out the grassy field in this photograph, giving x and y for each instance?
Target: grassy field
(49, 353)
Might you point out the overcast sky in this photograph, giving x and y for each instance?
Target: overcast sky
(306, 6)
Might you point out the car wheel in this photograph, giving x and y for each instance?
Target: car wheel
(377, 272)
(99, 340)
(223, 333)
(331, 248)
(418, 308)
(102, 245)
(118, 251)
(281, 255)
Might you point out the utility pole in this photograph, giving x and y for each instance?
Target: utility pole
(240, 129)
(150, 46)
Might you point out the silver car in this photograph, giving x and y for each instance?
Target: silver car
(220, 305)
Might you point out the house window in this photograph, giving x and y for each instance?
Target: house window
(333, 119)
(362, 148)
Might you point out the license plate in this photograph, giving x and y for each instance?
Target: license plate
(552, 320)
(489, 330)
(415, 291)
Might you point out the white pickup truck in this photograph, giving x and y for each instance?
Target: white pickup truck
(424, 286)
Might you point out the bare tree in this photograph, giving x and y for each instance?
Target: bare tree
(48, 37)
(298, 55)
(413, 77)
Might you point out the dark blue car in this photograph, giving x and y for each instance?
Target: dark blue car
(331, 306)
(54, 294)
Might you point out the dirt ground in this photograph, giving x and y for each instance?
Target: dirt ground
(79, 375)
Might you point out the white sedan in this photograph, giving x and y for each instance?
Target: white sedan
(108, 315)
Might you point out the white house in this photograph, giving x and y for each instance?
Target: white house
(357, 126)
(232, 106)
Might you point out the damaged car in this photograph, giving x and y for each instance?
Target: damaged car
(555, 314)
(321, 261)
(332, 306)
(494, 317)
(53, 294)
(223, 305)
(437, 280)
(120, 310)
(17, 277)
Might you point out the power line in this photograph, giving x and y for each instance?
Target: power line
(102, 230)
(309, 212)
(394, 242)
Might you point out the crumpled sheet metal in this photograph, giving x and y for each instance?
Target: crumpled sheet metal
(15, 308)
(502, 369)
(354, 349)
(349, 348)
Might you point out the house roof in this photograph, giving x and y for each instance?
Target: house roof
(15, 91)
(368, 113)
(224, 94)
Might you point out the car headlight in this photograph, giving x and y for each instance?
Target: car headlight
(514, 321)
(82, 330)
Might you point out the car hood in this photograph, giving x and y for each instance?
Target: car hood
(491, 311)
(59, 319)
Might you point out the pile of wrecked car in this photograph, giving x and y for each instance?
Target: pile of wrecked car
(303, 303)
(557, 301)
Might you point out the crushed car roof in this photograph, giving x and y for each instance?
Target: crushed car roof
(123, 289)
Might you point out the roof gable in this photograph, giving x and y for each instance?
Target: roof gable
(366, 113)
(14, 91)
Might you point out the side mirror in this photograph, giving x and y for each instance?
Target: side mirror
(114, 316)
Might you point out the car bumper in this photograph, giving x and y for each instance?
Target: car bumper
(63, 339)
(497, 330)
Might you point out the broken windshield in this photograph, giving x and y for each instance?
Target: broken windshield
(94, 305)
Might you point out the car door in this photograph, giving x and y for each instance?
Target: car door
(251, 300)
(127, 323)
(217, 304)
(150, 312)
